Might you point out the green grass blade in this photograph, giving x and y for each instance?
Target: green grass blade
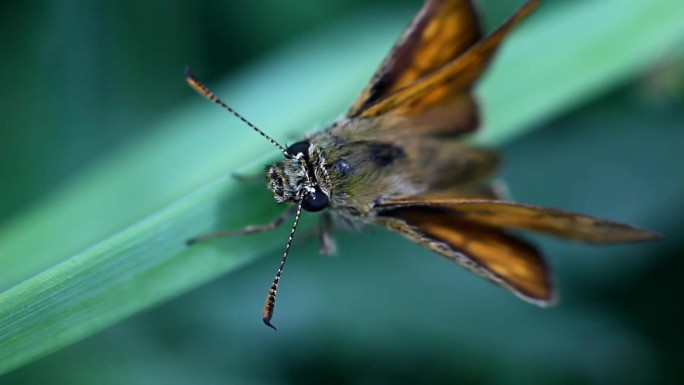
(580, 50)
(64, 283)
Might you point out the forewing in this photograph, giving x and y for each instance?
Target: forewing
(441, 31)
(486, 251)
(502, 214)
(451, 83)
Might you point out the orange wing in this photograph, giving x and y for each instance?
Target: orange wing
(486, 251)
(425, 85)
(441, 32)
(451, 81)
(502, 214)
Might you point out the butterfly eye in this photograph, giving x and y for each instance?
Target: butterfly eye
(315, 201)
(299, 148)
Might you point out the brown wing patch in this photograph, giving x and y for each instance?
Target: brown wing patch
(554, 222)
(451, 81)
(486, 251)
(441, 31)
(448, 115)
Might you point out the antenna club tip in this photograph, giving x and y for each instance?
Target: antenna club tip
(268, 323)
(187, 73)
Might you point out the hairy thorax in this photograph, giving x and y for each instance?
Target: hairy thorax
(354, 177)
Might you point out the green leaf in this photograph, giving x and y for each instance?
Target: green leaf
(64, 282)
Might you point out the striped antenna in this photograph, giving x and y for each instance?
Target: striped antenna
(271, 298)
(204, 91)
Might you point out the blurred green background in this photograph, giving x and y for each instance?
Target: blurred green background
(108, 161)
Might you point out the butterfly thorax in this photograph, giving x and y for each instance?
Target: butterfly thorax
(343, 174)
(353, 175)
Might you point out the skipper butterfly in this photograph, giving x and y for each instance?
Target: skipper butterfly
(397, 159)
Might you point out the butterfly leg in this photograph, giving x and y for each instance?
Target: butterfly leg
(247, 230)
(325, 237)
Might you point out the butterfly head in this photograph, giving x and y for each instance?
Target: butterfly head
(301, 176)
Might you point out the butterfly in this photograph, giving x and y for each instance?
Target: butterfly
(398, 159)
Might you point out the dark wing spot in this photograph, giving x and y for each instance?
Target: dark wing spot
(384, 154)
(379, 88)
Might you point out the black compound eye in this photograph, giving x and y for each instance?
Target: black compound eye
(315, 201)
(299, 148)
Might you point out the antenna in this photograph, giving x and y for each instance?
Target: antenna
(204, 91)
(271, 298)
